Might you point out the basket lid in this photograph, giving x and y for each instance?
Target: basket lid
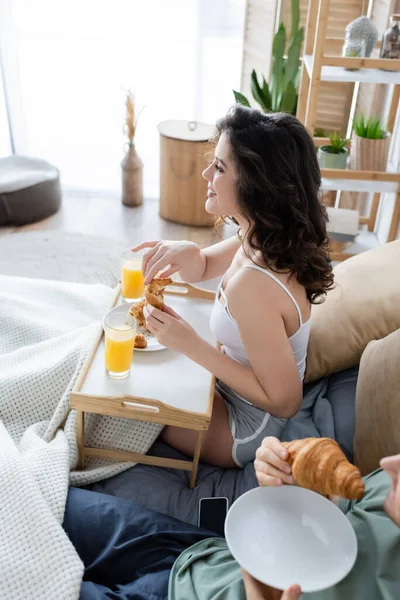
(190, 131)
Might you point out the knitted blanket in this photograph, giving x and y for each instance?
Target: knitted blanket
(46, 331)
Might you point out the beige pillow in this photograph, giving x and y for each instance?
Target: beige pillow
(364, 306)
(378, 403)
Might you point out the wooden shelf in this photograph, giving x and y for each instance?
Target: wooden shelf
(346, 180)
(319, 66)
(358, 185)
(365, 75)
(365, 240)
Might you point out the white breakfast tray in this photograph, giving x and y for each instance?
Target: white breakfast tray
(164, 387)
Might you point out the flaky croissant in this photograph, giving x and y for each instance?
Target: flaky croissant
(140, 341)
(319, 464)
(136, 310)
(154, 295)
(154, 292)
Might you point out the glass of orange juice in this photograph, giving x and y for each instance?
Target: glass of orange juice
(119, 332)
(132, 280)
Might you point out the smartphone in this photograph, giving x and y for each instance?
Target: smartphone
(212, 514)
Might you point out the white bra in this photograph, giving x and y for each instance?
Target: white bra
(225, 329)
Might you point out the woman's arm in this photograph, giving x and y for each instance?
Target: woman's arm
(186, 258)
(213, 261)
(243, 380)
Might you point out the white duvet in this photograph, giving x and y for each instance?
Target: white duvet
(46, 331)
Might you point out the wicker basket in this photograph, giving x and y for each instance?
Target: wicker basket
(369, 155)
(183, 191)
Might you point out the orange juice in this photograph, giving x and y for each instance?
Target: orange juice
(119, 349)
(132, 280)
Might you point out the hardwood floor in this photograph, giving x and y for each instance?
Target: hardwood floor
(104, 215)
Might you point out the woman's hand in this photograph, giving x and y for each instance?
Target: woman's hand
(168, 258)
(270, 463)
(170, 329)
(255, 590)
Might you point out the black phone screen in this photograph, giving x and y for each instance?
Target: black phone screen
(212, 514)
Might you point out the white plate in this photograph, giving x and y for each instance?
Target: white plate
(287, 535)
(152, 344)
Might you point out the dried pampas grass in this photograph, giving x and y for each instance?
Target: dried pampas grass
(130, 122)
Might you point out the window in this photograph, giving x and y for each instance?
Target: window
(181, 58)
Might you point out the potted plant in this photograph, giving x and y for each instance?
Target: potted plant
(280, 94)
(369, 145)
(335, 155)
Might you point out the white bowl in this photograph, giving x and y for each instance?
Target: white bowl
(287, 535)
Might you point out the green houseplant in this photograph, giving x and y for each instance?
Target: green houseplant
(335, 155)
(370, 144)
(280, 94)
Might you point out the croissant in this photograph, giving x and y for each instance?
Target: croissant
(319, 464)
(136, 310)
(154, 292)
(140, 341)
(154, 295)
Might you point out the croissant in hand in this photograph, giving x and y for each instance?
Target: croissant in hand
(154, 295)
(154, 292)
(319, 464)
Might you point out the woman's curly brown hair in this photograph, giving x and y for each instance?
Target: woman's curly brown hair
(278, 182)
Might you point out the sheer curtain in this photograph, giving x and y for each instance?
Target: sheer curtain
(5, 138)
(66, 64)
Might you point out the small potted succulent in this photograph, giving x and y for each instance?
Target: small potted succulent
(370, 144)
(335, 155)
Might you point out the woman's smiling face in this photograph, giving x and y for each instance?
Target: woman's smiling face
(221, 177)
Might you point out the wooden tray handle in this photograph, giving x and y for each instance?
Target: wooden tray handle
(179, 288)
(147, 404)
(118, 405)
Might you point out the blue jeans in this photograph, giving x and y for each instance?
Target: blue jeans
(128, 551)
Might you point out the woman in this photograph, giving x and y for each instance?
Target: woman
(265, 176)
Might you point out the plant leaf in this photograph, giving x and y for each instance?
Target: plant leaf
(292, 63)
(372, 128)
(362, 125)
(241, 99)
(295, 17)
(289, 99)
(277, 73)
(258, 93)
(266, 93)
(338, 143)
(319, 132)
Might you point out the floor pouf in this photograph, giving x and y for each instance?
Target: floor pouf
(29, 190)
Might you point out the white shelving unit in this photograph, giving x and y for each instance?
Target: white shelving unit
(318, 67)
(343, 229)
(339, 74)
(359, 185)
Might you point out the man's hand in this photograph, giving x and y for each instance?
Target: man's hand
(255, 590)
(271, 466)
